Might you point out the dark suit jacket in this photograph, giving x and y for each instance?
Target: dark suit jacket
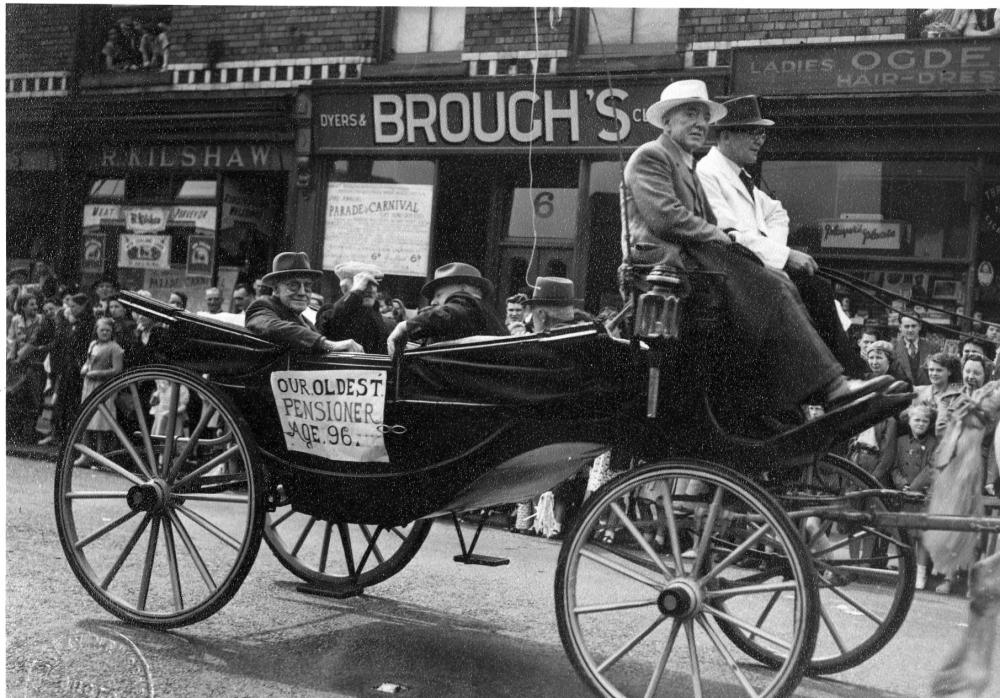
(461, 315)
(924, 349)
(271, 319)
(348, 318)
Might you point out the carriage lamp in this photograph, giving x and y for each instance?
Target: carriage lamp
(658, 320)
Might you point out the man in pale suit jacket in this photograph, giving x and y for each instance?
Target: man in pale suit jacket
(768, 356)
(760, 223)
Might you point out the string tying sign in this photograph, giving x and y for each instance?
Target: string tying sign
(333, 414)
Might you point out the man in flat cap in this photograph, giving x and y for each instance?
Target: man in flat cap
(355, 315)
(457, 309)
(771, 358)
(278, 317)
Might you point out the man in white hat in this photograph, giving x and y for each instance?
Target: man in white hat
(760, 223)
(355, 315)
(278, 317)
(457, 309)
(670, 221)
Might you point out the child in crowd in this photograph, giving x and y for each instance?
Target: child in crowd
(105, 360)
(159, 409)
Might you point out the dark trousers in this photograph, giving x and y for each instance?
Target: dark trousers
(817, 296)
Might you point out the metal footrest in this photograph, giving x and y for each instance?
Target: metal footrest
(468, 557)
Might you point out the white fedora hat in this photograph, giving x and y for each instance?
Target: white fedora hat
(683, 92)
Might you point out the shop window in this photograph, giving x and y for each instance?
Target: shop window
(198, 189)
(108, 189)
(428, 30)
(641, 30)
(901, 209)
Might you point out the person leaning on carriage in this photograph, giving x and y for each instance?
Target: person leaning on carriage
(355, 315)
(459, 307)
(278, 317)
(769, 357)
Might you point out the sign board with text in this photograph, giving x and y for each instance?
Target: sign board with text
(851, 68)
(388, 225)
(333, 414)
(144, 251)
(861, 234)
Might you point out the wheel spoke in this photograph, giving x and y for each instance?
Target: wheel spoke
(147, 569)
(147, 442)
(668, 509)
(281, 519)
(627, 647)
(168, 445)
(206, 415)
(97, 494)
(754, 630)
(643, 543)
(379, 558)
(372, 545)
(620, 569)
(126, 551)
(111, 465)
(828, 622)
(878, 620)
(729, 592)
(735, 554)
(206, 576)
(654, 681)
(705, 541)
(302, 536)
(79, 545)
(324, 551)
(205, 467)
(727, 657)
(345, 541)
(175, 578)
(209, 526)
(219, 498)
(693, 656)
(614, 606)
(125, 441)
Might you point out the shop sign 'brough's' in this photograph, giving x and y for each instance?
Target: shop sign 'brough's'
(911, 66)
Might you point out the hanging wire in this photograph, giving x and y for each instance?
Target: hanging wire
(531, 169)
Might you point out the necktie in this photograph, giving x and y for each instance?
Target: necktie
(747, 181)
(911, 349)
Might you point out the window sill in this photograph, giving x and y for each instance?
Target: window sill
(129, 78)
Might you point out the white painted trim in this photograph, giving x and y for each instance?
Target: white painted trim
(507, 55)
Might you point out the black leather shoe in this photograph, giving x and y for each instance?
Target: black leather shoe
(854, 391)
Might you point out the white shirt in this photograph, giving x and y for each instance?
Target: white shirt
(760, 223)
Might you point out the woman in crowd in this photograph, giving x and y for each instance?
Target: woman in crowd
(72, 342)
(976, 371)
(945, 374)
(29, 338)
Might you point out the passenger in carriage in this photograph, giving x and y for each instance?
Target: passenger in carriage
(355, 315)
(278, 317)
(770, 358)
(760, 223)
(458, 308)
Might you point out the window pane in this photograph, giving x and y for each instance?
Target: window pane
(655, 26)
(384, 171)
(554, 213)
(412, 28)
(615, 26)
(108, 189)
(197, 189)
(447, 29)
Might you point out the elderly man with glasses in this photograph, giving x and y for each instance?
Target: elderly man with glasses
(760, 223)
(278, 317)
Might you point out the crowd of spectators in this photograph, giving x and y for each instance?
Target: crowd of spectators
(135, 44)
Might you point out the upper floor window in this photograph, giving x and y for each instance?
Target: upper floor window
(128, 38)
(428, 30)
(630, 30)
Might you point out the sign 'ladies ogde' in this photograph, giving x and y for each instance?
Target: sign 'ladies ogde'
(333, 414)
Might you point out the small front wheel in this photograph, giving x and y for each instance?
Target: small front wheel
(160, 520)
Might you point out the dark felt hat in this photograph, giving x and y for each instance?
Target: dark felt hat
(456, 273)
(741, 112)
(553, 290)
(290, 265)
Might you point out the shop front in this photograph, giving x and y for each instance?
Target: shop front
(183, 215)
(887, 158)
(519, 178)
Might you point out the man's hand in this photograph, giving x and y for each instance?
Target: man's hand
(361, 281)
(397, 338)
(343, 346)
(800, 262)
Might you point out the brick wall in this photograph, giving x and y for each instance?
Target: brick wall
(40, 37)
(728, 24)
(263, 33)
(513, 29)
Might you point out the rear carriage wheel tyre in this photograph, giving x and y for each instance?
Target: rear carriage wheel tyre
(162, 531)
(337, 556)
(866, 573)
(637, 616)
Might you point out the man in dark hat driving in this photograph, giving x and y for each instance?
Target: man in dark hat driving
(458, 308)
(278, 317)
(760, 223)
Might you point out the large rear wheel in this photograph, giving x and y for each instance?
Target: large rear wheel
(160, 524)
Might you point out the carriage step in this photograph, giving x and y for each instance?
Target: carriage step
(477, 559)
(468, 557)
(345, 593)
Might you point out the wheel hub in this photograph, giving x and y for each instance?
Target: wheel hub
(680, 599)
(149, 496)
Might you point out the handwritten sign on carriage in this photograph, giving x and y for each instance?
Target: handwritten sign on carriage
(333, 414)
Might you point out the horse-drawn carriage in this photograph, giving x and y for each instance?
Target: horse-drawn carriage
(709, 547)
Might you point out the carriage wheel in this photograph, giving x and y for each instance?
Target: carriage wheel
(160, 531)
(866, 574)
(341, 557)
(638, 587)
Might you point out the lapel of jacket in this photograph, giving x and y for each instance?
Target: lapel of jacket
(684, 174)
